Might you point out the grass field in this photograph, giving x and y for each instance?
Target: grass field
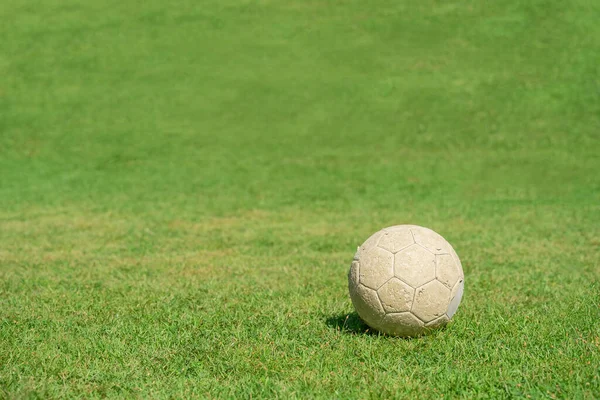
(183, 185)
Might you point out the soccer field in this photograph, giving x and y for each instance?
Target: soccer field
(183, 186)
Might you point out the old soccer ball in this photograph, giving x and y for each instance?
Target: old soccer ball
(406, 280)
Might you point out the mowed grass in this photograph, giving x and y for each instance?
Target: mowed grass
(183, 186)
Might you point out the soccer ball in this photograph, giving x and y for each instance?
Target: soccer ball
(406, 280)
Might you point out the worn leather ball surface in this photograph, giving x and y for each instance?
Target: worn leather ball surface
(406, 280)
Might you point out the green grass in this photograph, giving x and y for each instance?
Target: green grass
(183, 185)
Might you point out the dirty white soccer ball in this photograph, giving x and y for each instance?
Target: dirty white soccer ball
(406, 280)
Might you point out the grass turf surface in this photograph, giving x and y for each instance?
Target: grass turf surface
(183, 187)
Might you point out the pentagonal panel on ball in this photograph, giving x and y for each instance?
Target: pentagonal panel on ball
(431, 301)
(368, 244)
(401, 324)
(415, 265)
(431, 240)
(396, 239)
(376, 267)
(447, 270)
(367, 304)
(396, 296)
